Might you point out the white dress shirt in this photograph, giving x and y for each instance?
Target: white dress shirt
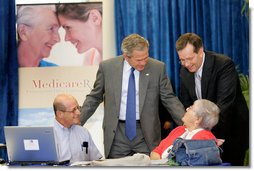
(198, 78)
(125, 81)
(70, 143)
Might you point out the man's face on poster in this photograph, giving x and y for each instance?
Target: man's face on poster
(43, 34)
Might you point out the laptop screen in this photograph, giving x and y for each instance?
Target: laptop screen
(31, 144)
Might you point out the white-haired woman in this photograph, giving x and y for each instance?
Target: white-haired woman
(37, 27)
(198, 120)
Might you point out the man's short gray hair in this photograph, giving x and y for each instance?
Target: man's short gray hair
(209, 112)
(133, 42)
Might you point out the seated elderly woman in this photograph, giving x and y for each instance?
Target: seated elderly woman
(198, 120)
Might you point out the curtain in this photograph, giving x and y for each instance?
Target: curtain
(8, 69)
(219, 23)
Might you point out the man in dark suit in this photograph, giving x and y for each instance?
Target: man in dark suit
(151, 85)
(212, 76)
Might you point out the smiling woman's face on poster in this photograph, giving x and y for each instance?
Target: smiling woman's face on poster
(82, 29)
(37, 28)
(59, 35)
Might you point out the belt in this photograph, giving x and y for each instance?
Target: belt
(123, 121)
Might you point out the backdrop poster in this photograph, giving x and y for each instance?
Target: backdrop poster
(39, 86)
(58, 54)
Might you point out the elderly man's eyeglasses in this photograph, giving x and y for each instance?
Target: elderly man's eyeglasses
(73, 110)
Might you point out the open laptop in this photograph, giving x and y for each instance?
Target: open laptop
(27, 145)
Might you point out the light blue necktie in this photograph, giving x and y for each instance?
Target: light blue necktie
(198, 86)
(130, 122)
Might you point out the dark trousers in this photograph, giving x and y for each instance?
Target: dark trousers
(233, 154)
(122, 146)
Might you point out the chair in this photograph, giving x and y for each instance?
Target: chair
(2, 146)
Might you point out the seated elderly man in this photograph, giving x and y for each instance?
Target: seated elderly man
(74, 141)
(198, 120)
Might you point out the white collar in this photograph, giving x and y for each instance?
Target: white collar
(189, 134)
(200, 70)
(127, 66)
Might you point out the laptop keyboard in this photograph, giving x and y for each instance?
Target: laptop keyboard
(38, 163)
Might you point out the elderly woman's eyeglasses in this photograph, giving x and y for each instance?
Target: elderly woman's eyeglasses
(189, 108)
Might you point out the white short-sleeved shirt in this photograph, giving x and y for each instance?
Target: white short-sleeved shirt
(70, 142)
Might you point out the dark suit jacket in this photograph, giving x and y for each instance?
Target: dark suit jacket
(220, 84)
(153, 85)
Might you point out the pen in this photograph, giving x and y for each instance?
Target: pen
(85, 144)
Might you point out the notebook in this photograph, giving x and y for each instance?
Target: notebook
(31, 145)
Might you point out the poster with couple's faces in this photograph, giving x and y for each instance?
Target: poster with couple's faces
(59, 50)
(63, 34)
